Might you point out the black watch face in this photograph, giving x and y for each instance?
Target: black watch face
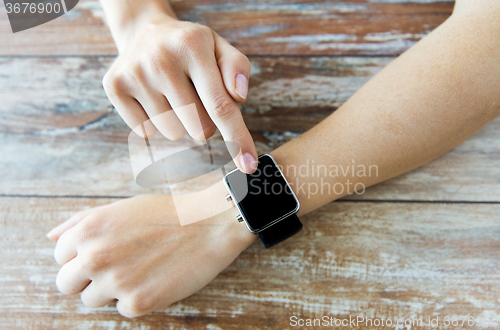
(263, 196)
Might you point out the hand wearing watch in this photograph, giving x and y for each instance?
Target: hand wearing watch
(265, 200)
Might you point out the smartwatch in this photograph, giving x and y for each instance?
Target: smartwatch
(265, 200)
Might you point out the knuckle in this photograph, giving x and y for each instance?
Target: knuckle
(114, 84)
(65, 282)
(118, 281)
(222, 106)
(191, 38)
(155, 60)
(61, 246)
(61, 283)
(136, 304)
(88, 301)
(93, 259)
(141, 303)
(121, 283)
(242, 58)
(124, 309)
(89, 229)
(207, 132)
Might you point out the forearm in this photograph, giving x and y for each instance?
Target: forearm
(124, 16)
(426, 102)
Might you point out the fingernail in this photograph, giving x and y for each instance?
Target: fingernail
(248, 163)
(242, 85)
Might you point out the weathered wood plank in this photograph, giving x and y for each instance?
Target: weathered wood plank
(58, 135)
(351, 27)
(391, 260)
(294, 94)
(286, 94)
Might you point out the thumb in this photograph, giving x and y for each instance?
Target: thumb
(234, 67)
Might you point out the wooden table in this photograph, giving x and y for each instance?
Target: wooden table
(425, 244)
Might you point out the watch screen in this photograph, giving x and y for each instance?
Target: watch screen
(263, 196)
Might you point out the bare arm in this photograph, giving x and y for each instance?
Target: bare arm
(125, 17)
(432, 98)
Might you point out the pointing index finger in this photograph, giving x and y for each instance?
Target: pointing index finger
(224, 112)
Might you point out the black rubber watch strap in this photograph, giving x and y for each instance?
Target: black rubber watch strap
(280, 231)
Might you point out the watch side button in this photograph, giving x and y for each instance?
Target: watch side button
(228, 198)
(239, 218)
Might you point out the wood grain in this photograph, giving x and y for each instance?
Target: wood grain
(398, 252)
(285, 94)
(60, 136)
(391, 260)
(277, 27)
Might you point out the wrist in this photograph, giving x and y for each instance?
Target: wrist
(209, 207)
(237, 232)
(130, 21)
